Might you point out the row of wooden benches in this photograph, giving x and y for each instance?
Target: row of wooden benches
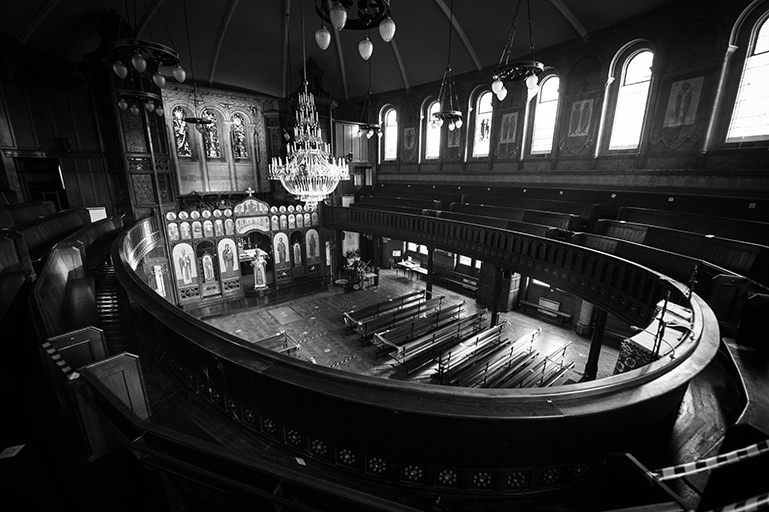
(493, 362)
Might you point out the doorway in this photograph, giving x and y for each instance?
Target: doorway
(41, 180)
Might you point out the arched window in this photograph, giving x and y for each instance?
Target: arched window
(750, 119)
(432, 133)
(631, 101)
(211, 135)
(238, 134)
(181, 132)
(544, 116)
(483, 115)
(390, 135)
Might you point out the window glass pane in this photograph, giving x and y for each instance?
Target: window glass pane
(482, 125)
(750, 120)
(432, 134)
(544, 117)
(631, 103)
(391, 135)
(762, 41)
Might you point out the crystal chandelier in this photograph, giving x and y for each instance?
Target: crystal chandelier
(447, 98)
(308, 171)
(526, 71)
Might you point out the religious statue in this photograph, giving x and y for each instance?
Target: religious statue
(312, 244)
(208, 268)
(297, 254)
(229, 258)
(185, 264)
(260, 263)
(281, 251)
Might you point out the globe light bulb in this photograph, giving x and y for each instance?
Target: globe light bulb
(497, 86)
(160, 112)
(323, 37)
(179, 73)
(502, 94)
(139, 62)
(120, 69)
(159, 79)
(459, 123)
(123, 104)
(451, 126)
(134, 109)
(440, 122)
(369, 134)
(434, 124)
(387, 29)
(531, 81)
(338, 16)
(366, 48)
(149, 105)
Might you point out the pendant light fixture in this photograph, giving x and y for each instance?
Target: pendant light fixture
(371, 14)
(526, 71)
(447, 101)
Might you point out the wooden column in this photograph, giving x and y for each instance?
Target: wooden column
(591, 368)
(496, 287)
(429, 276)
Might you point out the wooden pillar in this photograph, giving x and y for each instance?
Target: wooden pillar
(591, 368)
(584, 323)
(496, 291)
(429, 276)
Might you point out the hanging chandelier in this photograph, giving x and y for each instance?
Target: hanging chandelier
(526, 71)
(447, 99)
(131, 59)
(366, 128)
(371, 14)
(308, 171)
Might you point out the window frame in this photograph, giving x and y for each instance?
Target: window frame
(427, 127)
(535, 115)
(388, 131)
(480, 94)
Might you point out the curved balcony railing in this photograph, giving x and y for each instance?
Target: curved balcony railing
(449, 436)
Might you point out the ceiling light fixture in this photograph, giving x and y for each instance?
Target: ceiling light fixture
(308, 171)
(526, 71)
(447, 101)
(131, 57)
(200, 123)
(366, 128)
(371, 14)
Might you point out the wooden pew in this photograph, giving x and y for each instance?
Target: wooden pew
(42, 234)
(428, 348)
(565, 221)
(744, 258)
(280, 343)
(467, 348)
(410, 202)
(353, 318)
(369, 327)
(19, 213)
(396, 337)
(512, 225)
(476, 369)
(545, 308)
(724, 227)
(455, 280)
(15, 269)
(531, 373)
(587, 212)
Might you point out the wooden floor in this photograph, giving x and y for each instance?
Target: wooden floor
(316, 324)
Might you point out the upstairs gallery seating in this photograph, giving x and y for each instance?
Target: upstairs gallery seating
(19, 213)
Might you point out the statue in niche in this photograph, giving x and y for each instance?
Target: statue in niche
(281, 251)
(239, 148)
(229, 259)
(312, 245)
(185, 264)
(297, 254)
(208, 268)
(211, 135)
(181, 132)
(260, 263)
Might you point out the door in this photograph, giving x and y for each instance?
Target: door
(41, 180)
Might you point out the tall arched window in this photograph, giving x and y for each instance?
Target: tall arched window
(544, 116)
(631, 101)
(390, 135)
(750, 119)
(432, 133)
(211, 135)
(483, 115)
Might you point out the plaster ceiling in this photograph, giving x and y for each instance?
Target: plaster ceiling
(256, 45)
